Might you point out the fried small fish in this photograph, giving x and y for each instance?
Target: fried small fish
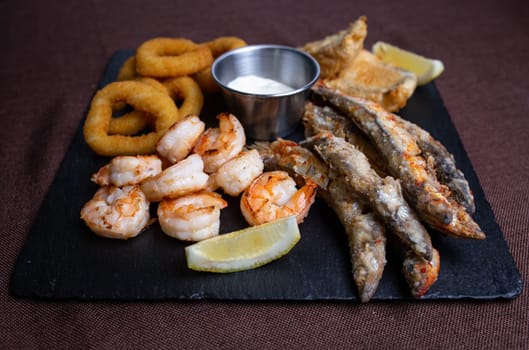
(431, 199)
(444, 164)
(366, 235)
(321, 119)
(365, 232)
(383, 195)
(420, 274)
(318, 119)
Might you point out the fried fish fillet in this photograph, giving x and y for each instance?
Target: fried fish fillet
(346, 66)
(338, 50)
(370, 78)
(322, 119)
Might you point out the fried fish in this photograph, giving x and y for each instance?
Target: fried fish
(370, 78)
(337, 51)
(444, 164)
(432, 200)
(365, 233)
(347, 66)
(321, 119)
(383, 195)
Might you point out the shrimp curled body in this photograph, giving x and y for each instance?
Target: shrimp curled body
(115, 212)
(182, 178)
(193, 217)
(218, 145)
(179, 140)
(237, 174)
(273, 195)
(127, 170)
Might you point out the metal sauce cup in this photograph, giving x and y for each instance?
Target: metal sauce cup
(267, 116)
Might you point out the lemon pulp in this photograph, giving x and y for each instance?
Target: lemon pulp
(425, 69)
(244, 249)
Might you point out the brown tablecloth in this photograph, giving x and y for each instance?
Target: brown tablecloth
(53, 53)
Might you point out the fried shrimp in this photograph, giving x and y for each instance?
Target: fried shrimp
(127, 170)
(179, 140)
(237, 174)
(273, 195)
(116, 212)
(218, 145)
(184, 177)
(192, 217)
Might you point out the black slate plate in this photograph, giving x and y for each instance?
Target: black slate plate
(62, 259)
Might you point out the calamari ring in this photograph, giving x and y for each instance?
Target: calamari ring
(179, 89)
(133, 122)
(140, 96)
(217, 47)
(224, 44)
(128, 69)
(168, 57)
(186, 89)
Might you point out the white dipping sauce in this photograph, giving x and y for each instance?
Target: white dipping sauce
(254, 84)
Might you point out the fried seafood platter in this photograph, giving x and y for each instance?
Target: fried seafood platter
(384, 177)
(387, 203)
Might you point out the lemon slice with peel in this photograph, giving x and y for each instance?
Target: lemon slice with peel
(245, 249)
(425, 69)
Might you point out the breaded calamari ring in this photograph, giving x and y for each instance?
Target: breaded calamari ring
(140, 96)
(128, 69)
(134, 121)
(224, 44)
(217, 46)
(171, 57)
(185, 89)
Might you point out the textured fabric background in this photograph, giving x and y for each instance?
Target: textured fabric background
(52, 55)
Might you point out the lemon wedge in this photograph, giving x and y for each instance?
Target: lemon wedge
(425, 69)
(244, 249)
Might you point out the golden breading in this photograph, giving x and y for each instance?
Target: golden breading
(336, 51)
(370, 78)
